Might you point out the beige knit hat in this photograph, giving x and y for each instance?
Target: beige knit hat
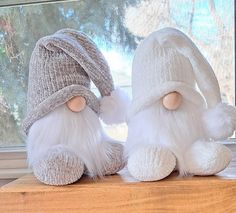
(60, 68)
(166, 61)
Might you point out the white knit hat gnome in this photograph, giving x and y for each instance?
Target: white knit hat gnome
(166, 61)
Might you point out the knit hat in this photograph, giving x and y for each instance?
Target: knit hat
(60, 68)
(166, 61)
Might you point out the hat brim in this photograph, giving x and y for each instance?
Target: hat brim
(57, 99)
(188, 92)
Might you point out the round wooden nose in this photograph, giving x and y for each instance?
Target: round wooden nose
(76, 104)
(172, 100)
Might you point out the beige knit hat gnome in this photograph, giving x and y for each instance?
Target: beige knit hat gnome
(166, 61)
(60, 68)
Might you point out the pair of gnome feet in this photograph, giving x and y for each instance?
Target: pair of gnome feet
(61, 166)
(155, 162)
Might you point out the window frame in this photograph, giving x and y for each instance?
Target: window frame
(12, 3)
(13, 160)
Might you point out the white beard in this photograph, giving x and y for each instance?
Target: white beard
(80, 132)
(175, 130)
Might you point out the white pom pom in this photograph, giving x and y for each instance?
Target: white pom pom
(113, 108)
(220, 121)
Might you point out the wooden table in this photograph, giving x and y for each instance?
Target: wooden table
(121, 193)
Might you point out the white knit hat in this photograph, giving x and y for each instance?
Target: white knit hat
(166, 61)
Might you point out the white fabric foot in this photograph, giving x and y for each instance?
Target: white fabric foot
(151, 163)
(207, 158)
(58, 166)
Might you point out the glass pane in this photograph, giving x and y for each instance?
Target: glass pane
(116, 27)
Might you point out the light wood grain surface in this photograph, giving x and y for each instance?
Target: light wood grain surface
(121, 193)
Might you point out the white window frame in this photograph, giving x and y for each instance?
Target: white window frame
(13, 160)
(8, 3)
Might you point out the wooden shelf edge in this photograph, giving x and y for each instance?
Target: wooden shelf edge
(121, 193)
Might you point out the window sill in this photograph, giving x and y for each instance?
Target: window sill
(121, 193)
(13, 161)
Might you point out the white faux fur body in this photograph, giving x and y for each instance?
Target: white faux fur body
(187, 133)
(81, 132)
(176, 130)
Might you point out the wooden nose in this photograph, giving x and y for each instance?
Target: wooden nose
(76, 104)
(172, 100)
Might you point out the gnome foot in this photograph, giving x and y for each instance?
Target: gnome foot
(207, 158)
(59, 166)
(151, 163)
(115, 162)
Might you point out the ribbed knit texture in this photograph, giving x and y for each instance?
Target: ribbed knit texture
(60, 68)
(160, 65)
(59, 166)
(207, 158)
(151, 163)
(158, 70)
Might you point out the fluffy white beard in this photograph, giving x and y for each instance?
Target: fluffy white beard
(176, 130)
(81, 132)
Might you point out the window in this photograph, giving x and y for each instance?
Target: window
(116, 27)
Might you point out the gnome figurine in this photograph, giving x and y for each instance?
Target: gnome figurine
(173, 125)
(65, 136)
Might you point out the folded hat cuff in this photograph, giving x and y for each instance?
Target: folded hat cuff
(188, 92)
(57, 99)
